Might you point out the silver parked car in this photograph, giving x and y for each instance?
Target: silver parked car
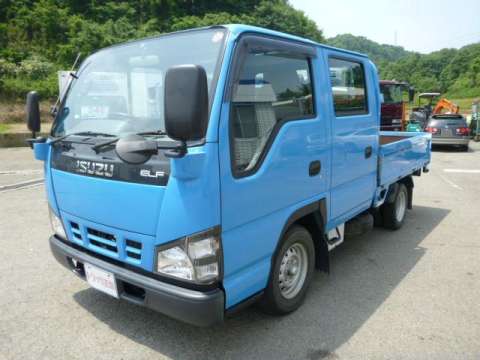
(449, 129)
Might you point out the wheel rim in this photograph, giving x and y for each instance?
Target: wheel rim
(400, 206)
(293, 271)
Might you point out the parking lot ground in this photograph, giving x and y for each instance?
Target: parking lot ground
(17, 166)
(407, 294)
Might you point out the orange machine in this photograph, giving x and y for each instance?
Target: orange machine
(447, 105)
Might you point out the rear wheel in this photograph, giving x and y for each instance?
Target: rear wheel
(291, 274)
(394, 213)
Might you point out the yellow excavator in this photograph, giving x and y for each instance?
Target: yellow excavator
(447, 105)
(422, 113)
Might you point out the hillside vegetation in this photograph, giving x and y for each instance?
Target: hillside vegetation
(451, 71)
(375, 51)
(39, 37)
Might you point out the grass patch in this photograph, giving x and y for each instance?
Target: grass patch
(4, 128)
(465, 104)
(14, 112)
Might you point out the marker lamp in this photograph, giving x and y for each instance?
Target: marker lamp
(57, 225)
(195, 258)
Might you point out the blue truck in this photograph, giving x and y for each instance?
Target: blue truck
(201, 171)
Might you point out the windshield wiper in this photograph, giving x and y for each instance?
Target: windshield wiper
(154, 132)
(53, 110)
(113, 141)
(81, 133)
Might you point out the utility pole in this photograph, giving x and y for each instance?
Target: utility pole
(476, 118)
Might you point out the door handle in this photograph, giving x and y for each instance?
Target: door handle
(314, 168)
(368, 152)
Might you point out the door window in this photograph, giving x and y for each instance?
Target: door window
(347, 80)
(271, 89)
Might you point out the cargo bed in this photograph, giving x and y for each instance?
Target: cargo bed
(402, 154)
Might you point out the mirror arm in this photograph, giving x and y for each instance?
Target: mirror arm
(176, 152)
(35, 140)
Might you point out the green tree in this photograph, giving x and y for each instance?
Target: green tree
(38, 37)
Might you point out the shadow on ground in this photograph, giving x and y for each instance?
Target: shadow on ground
(451, 149)
(364, 272)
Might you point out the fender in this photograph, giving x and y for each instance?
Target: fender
(313, 217)
(392, 193)
(393, 190)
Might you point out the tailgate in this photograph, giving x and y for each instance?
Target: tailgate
(402, 155)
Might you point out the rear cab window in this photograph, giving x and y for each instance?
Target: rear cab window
(447, 120)
(347, 81)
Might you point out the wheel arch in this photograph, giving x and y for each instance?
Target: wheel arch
(393, 189)
(408, 182)
(313, 217)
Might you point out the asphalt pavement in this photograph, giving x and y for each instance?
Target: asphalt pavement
(407, 294)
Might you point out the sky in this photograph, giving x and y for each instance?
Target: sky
(423, 25)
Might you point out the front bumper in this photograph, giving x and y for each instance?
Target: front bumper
(190, 306)
(450, 141)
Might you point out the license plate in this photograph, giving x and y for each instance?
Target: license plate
(101, 280)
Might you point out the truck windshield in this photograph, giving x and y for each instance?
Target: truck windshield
(121, 89)
(391, 93)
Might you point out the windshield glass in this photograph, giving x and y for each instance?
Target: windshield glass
(120, 89)
(391, 93)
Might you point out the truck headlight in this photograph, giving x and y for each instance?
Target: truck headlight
(196, 258)
(57, 225)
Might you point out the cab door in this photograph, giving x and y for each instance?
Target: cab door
(270, 138)
(355, 122)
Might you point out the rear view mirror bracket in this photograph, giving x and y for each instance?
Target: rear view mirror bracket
(176, 152)
(39, 140)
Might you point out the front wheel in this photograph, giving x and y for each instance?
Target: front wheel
(394, 213)
(291, 274)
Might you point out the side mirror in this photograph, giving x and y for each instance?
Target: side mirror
(411, 94)
(186, 103)
(33, 112)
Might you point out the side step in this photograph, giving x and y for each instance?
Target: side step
(335, 237)
(357, 226)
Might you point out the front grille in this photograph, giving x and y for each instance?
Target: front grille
(77, 234)
(114, 243)
(102, 240)
(133, 250)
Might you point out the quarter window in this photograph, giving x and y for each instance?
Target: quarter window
(270, 89)
(347, 80)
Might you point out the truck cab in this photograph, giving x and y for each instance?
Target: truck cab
(197, 172)
(393, 109)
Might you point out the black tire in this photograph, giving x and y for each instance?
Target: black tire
(391, 218)
(273, 301)
(464, 148)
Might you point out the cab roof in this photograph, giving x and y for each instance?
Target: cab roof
(429, 94)
(238, 29)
